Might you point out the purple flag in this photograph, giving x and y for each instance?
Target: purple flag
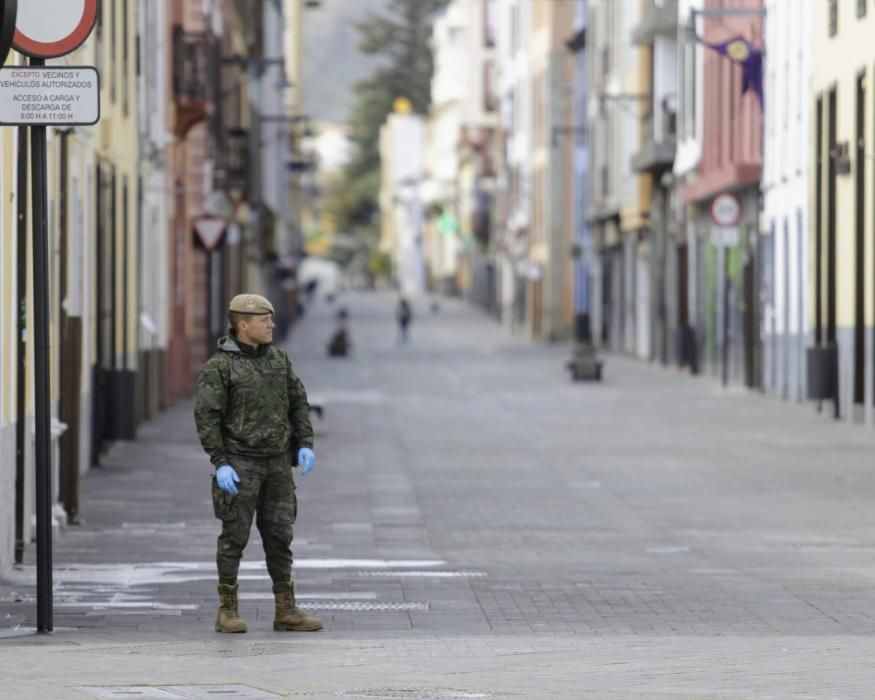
(740, 51)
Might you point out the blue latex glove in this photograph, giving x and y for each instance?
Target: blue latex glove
(225, 477)
(306, 460)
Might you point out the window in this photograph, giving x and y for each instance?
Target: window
(861, 8)
(489, 101)
(112, 55)
(125, 58)
(688, 106)
(833, 19)
(489, 23)
(98, 31)
(818, 220)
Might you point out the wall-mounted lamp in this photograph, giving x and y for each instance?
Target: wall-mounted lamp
(841, 155)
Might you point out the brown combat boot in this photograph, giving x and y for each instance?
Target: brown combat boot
(228, 620)
(288, 617)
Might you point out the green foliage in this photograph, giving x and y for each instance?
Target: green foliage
(401, 37)
(380, 264)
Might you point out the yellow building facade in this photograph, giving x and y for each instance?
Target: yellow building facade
(841, 251)
(93, 272)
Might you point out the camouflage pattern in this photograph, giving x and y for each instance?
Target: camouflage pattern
(267, 488)
(249, 402)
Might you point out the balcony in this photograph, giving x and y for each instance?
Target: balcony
(658, 143)
(660, 19)
(190, 79)
(233, 166)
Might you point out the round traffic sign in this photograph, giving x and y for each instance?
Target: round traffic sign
(53, 28)
(8, 9)
(725, 210)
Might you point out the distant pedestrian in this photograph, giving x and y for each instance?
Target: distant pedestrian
(404, 315)
(310, 289)
(339, 345)
(252, 418)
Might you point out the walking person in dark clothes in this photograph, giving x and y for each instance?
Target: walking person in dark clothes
(404, 314)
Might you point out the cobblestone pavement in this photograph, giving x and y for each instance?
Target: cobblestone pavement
(479, 526)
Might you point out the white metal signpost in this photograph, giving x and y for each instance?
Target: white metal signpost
(37, 97)
(725, 215)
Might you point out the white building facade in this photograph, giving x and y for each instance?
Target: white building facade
(513, 29)
(786, 327)
(402, 153)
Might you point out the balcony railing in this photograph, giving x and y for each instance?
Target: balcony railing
(190, 78)
(658, 18)
(658, 141)
(235, 159)
(189, 65)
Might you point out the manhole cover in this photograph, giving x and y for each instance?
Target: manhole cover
(429, 694)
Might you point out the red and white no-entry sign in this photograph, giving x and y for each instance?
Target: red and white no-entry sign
(53, 28)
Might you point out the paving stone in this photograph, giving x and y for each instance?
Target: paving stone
(647, 537)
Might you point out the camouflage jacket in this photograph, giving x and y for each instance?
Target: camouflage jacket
(249, 402)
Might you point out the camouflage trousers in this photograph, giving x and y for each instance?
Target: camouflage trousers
(267, 491)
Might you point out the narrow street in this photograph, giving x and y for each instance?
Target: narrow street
(478, 526)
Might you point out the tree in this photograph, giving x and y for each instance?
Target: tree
(403, 38)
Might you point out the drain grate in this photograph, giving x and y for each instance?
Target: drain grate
(177, 692)
(425, 574)
(348, 595)
(202, 692)
(364, 607)
(427, 693)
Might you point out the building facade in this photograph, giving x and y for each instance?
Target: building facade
(785, 188)
(402, 152)
(727, 274)
(840, 265)
(514, 161)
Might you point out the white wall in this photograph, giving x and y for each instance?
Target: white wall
(405, 148)
(270, 104)
(690, 104)
(785, 188)
(665, 80)
(154, 137)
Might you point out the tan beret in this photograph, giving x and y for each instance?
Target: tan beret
(250, 304)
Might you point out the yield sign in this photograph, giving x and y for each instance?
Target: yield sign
(210, 231)
(53, 28)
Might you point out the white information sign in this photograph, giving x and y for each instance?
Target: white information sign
(49, 96)
(724, 236)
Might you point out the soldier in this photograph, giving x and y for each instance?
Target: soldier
(252, 417)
